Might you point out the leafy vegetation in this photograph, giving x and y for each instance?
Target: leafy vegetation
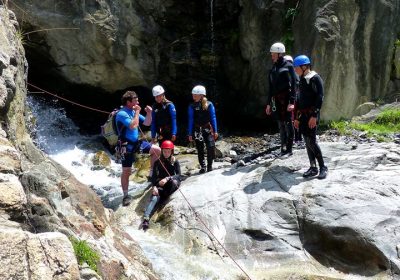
(387, 122)
(85, 254)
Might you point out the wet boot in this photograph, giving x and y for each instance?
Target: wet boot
(289, 149)
(145, 224)
(209, 166)
(202, 170)
(127, 200)
(323, 172)
(312, 171)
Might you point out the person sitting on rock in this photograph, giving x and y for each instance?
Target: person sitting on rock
(307, 112)
(166, 179)
(202, 126)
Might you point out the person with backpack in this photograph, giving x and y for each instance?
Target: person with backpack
(127, 122)
(281, 97)
(307, 112)
(202, 126)
(163, 126)
(166, 179)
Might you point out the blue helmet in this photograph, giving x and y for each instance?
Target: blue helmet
(301, 60)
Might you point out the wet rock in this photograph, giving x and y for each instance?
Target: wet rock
(101, 159)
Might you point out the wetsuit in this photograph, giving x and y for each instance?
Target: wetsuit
(282, 91)
(202, 126)
(309, 105)
(163, 121)
(129, 137)
(160, 172)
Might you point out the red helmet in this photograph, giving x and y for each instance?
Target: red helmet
(167, 145)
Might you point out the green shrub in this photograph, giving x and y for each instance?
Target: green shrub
(85, 254)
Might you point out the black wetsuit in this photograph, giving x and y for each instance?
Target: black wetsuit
(282, 91)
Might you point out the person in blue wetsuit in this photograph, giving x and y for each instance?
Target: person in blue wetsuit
(307, 111)
(127, 122)
(202, 126)
(166, 179)
(163, 126)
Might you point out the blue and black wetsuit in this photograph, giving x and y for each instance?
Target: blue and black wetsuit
(202, 126)
(163, 121)
(309, 105)
(129, 137)
(282, 92)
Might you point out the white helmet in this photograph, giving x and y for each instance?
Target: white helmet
(158, 90)
(288, 58)
(199, 90)
(277, 48)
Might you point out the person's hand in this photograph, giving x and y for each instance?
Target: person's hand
(148, 109)
(215, 136)
(190, 137)
(155, 191)
(163, 181)
(296, 124)
(173, 138)
(312, 122)
(268, 110)
(137, 108)
(290, 107)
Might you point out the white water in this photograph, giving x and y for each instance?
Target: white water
(59, 137)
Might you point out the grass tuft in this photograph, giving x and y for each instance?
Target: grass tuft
(85, 254)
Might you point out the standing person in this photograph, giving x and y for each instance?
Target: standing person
(166, 179)
(281, 97)
(308, 109)
(127, 122)
(163, 124)
(297, 133)
(202, 126)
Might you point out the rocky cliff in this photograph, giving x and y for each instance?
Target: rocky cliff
(41, 204)
(112, 45)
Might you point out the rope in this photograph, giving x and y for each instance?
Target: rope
(204, 224)
(187, 201)
(72, 102)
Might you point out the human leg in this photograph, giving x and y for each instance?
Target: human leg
(150, 207)
(210, 145)
(200, 154)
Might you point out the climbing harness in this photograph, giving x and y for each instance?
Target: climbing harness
(273, 104)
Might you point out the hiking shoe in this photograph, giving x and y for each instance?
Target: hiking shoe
(209, 168)
(312, 171)
(126, 200)
(145, 224)
(323, 172)
(202, 170)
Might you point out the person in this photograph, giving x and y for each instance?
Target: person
(163, 126)
(166, 179)
(297, 134)
(202, 126)
(127, 122)
(281, 97)
(307, 112)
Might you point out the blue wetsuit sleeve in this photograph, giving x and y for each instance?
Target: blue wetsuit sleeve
(190, 120)
(213, 117)
(153, 124)
(124, 118)
(141, 118)
(172, 113)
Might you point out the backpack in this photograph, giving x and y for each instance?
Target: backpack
(109, 129)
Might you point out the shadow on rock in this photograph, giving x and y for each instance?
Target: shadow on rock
(344, 249)
(277, 178)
